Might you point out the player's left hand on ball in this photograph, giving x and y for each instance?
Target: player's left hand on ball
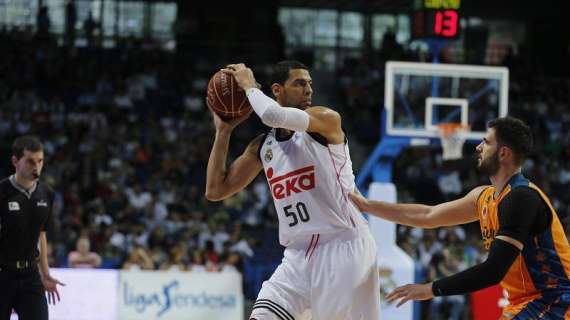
(410, 292)
(230, 124)
(242, 74)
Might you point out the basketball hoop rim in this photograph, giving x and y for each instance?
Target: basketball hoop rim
(448, 129)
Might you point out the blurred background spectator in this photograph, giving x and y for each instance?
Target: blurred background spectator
(83, 257)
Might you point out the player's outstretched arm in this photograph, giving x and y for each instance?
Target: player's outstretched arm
(223, 182)
(520, 210)
(502, 255)
(460, 211)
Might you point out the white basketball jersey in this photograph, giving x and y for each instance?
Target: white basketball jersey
(309, 182)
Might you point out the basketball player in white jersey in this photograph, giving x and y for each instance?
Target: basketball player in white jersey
(329, 269)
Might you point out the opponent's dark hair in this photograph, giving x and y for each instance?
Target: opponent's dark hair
(30, 143)
(280, 72)
(514, 134)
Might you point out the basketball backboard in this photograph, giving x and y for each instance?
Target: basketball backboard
(419, 96)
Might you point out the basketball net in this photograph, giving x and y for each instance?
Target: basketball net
(452, 139)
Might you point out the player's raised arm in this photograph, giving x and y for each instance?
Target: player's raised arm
(463, 210)
(321, 120)
(223, 182)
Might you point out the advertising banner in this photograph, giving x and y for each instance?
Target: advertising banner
(180, 295)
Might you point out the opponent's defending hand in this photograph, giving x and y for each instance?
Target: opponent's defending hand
(410, 292)
(358, 200)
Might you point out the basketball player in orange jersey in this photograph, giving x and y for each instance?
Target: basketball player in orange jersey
(528, 251)
(329, 269)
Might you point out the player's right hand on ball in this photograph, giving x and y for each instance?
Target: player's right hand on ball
(242, 74)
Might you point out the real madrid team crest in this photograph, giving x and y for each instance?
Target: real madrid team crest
(268, 155)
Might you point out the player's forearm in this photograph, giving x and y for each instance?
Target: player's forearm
(414, 215)
(274, 115)
(216, 172)
(43, 264)
(501, 257)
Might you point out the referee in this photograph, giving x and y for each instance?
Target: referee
(25, 209)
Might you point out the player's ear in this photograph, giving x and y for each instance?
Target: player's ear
(14, 161)
(505, 151)
(276, 89)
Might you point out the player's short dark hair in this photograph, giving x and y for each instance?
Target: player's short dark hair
(29, 143)
(514, 134)
(280, 72)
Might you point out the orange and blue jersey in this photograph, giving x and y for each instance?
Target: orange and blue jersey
(537, 283)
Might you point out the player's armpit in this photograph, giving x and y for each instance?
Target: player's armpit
(327, 123)
(460, 211)
(240, 173)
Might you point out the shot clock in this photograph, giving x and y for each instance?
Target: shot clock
(436, 19)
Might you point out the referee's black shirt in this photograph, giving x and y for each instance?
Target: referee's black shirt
(23, 215)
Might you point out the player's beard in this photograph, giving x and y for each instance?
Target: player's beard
(297, 105)
(489, 165)
(300, 104)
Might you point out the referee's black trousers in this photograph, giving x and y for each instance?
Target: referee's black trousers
(23, 291)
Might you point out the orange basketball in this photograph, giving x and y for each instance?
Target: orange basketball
(225, 97)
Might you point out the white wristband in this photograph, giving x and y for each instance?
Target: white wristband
(274, 115)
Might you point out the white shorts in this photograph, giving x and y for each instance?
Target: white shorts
(335, 279)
